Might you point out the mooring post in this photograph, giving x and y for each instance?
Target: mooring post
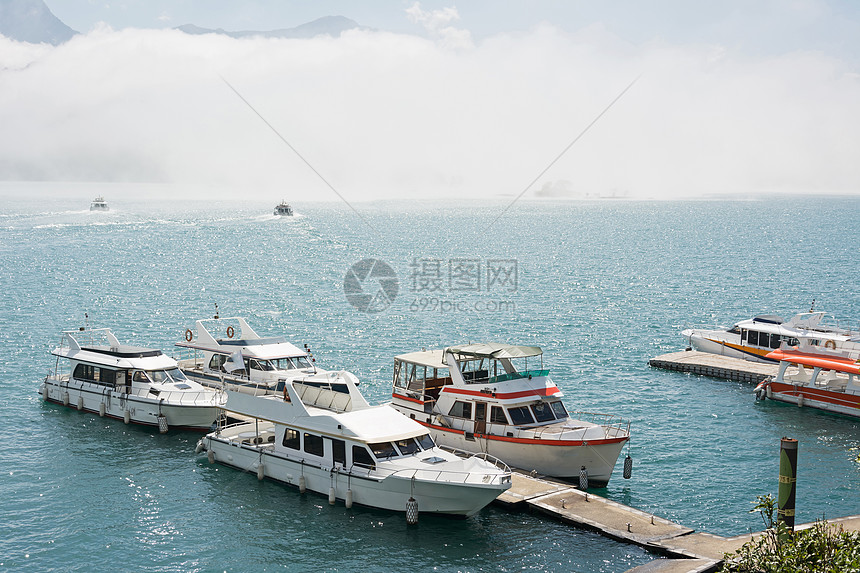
(787, 482)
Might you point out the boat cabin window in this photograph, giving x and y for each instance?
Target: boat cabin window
(217, 361)
(426, 442)
(338, 451)
(558, 409)
(734, 330)
(497, 415)
(520, 416)
(461, 410)
(313, 445)
(140, 376)
(302, 362)
(95, 374)
(542, 412)
(408, 446)
(291, 439)
(361, 457)
(383, 450)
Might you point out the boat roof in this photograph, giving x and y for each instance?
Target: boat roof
(825, 361)
(371, 423)
(495, 350)
(430, 358)
(113, 354)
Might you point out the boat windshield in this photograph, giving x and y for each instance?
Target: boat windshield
(542, 412)
(558, 409)
(408, 446)
(426, 442)
(383, 450)
(167, 376)
(294, 363)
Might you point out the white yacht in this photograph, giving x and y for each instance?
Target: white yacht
(227, 353)
(498, 399)
(755, 338)
(99, 204)
(94, 372)
(321, 434)
(283, 209)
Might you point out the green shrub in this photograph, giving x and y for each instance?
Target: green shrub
(820, 548)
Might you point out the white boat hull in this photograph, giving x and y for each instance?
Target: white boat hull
(141, 410)
(734, 350)
(556, 460)
(389, 492)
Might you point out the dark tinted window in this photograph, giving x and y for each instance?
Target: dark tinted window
(383, 450)
(291, 439)
(520, 416)
(558, 410)
(360, 456)
(313, 445)
(338, 451)
(542, 412)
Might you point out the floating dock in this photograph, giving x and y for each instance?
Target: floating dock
(715, 365)
(686, 550)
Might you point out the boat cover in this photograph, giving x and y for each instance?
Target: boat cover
(495, 350)
(838, 363)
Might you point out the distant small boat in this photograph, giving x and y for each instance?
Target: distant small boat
(99, 204)
(283, 210)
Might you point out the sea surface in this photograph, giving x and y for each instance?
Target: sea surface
(601, 286)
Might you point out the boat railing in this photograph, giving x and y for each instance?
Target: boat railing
(171, 397)
(482, 455)
(613, 427)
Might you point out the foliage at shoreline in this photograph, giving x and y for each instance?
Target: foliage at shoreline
(821, 548)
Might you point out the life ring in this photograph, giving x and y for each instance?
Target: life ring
(188, 335)
(830, 344)
(230, 332)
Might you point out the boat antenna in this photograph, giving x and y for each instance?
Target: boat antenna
(216, 311)
(86, 321)
(812, 308)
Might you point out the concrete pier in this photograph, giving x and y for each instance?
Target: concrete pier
(715, 365)
(685, 550)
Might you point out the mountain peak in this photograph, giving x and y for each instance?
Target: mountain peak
(32, 21)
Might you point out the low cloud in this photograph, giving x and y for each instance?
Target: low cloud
(393, 115)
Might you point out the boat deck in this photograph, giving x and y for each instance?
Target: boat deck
(715, 365)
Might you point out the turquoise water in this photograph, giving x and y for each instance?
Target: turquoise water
(602, 286)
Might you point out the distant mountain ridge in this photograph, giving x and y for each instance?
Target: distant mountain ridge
(328, 25)
(32, 21)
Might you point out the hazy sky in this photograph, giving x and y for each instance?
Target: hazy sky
(468, 99)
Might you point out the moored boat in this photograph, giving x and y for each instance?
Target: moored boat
(94, 372)
(228, 353)
(815, 377)
(321, 434)
(485, 398)
(755, 338)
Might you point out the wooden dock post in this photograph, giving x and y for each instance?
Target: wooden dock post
(787, 482)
